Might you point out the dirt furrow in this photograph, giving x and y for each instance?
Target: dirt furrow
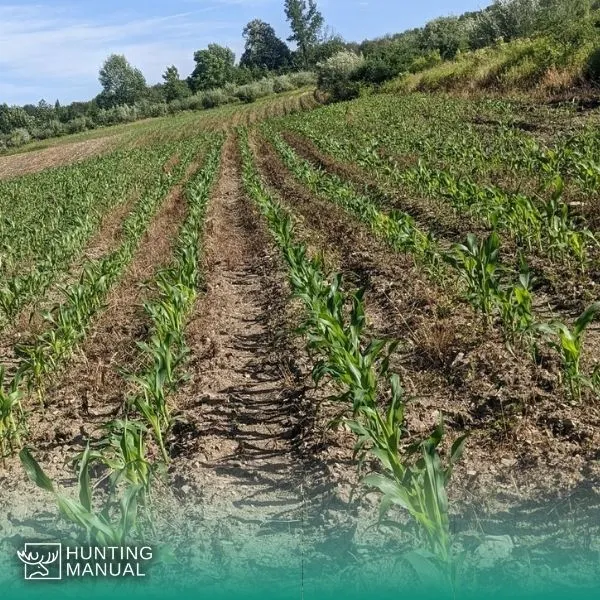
(105, 240)
(237, 449)
(256, 489)
(436, 215)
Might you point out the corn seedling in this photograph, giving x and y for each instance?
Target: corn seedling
(12, 418)
(123, 451)
(335, 330)
(112, 526)
(176, 286)
(477, 263)
(516, 306)
(569, 344)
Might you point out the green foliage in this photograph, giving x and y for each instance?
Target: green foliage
(123, 451)
(422, 63)
(477, 263)
(174, 87)
(503, 21)
(12, 417)
(13, 118)
(419, 482)
(568, 342)
(263, 48)
(214, 68)
(446, 35)
(336, 76)
(592, 68)
(121, 83)
(112, 525)
(306, 23)
(516, 307)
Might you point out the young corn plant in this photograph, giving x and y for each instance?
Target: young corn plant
(335, 329)
(154, 384)
(176, 290)
(565, 241)
(12, 417)
(123, 451)
(112, 525)
(414, 478)
(516, 307)
(478, 265)
(568, 342)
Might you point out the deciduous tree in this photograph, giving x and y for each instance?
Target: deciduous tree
(215, 66)
(263, 48)
(306, 22)
(121, 83)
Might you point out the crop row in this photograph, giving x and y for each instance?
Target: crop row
(545, 225)
(487, 283)
(480, 138)
(123, 452)
(335, 326)
(68, 321)
(48, 217)
(177, 288)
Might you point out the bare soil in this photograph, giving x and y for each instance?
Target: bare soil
(24, 163)
(251, 476)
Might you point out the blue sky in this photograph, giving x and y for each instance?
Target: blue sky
(53, 50)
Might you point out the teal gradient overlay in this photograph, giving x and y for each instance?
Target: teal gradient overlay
(370, 575)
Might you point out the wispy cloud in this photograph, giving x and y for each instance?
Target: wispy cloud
(55, 50)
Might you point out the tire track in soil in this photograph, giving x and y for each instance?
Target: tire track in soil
(239, 447)
(453, 366)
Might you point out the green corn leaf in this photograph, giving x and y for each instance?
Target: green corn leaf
(34, 471)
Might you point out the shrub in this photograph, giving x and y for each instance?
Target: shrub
(303, 79)
(252, 91)
(426, 62)
(53, 128)
(195, 102)
(246, 93)
(282, 84)
(338, 75)
(376, 71)
(592, 70)
(18, 137)
(78, 125)
(214, 98)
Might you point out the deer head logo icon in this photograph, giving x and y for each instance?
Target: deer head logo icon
(42, 561)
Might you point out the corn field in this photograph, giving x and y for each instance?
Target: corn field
(399, 293)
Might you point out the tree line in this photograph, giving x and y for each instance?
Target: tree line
(268, 63)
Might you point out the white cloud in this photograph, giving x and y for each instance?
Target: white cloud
(47, 49)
